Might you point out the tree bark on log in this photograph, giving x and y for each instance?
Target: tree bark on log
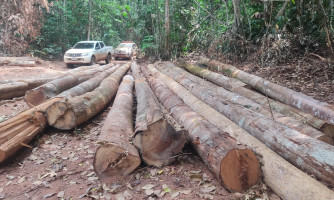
(44, 92)
(116, 155)
(157, 136)
(19, 61)
(18, 131)
(313, 156)
(284, 179)
(218, 98)
(229, 84)
(234, 165)
(298, 100)
(88, 85)
(71, 112)
(18, 87)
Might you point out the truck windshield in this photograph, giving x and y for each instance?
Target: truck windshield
(84, 46)
(124, 45)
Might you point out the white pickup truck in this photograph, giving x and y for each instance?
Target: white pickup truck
(88, 52)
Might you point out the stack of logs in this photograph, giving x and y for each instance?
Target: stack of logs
(231, 126)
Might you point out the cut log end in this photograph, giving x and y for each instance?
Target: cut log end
(110, 160)
(159, 143)
(239, 170)
(34, 97)
(329, 130)
(60, 116)
(325, 138)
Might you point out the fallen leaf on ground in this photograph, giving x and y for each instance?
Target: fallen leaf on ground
(174, 194)
(127, 194)
(61, 194)
(48, 195)
(21, 180)
(186, 192)
(207, 188)
(148, 187)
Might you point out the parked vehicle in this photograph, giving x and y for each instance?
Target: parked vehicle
(127, 49)
(88, 52)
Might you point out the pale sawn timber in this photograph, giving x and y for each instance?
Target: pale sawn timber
(157, 136)
(283, 178)
(115, 155)
(19, 130)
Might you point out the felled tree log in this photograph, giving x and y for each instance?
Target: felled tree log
(71, 112)
(88, 85)
(18, 131)
(228, 83)
(283, 178)
(219, 98)
(298, 100)
(290, 144)
(234, 165)
(116, 155)
(18, 87)
(19, 61)
(155, 135)
(40, 94)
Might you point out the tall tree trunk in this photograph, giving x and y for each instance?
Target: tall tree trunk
(237, 25)
(167, 29)
(89, 20)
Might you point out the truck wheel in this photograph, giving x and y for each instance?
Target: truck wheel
(69, 65)
(108, 59)
(93, 60)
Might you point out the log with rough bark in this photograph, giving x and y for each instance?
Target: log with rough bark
(71, 112)
(234, 165)
(157, 136)
(44, 92)
(18, 87)
(19, 130)
(115, 155)
(298, 100)
(19, 61)
(218, 98)
(88, 85)
(228, 83)
(283, 178)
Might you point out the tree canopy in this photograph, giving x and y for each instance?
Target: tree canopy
(168, 29)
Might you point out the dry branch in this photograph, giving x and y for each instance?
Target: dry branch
(218, 98)
(155, 135)
(234, 165)
(18, 131)
(44, 92)
(286, 180)
(116, 155)
(71, 112)
(298, 100)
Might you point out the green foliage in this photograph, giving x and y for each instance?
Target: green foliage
(205, 25)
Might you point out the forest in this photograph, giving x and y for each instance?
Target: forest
(270, 31)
